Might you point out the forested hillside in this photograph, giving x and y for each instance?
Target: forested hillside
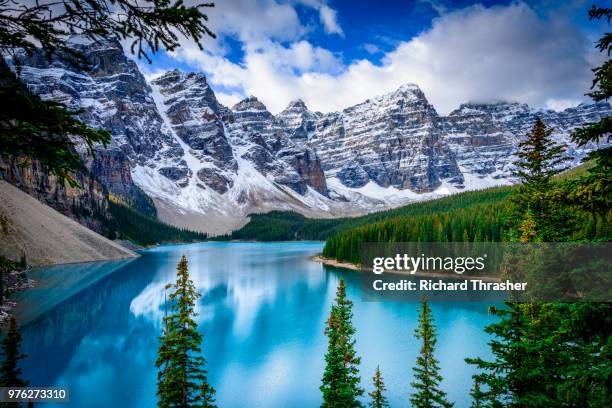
(280, 226)
(479, 216)
(473, 223)
(127, 223)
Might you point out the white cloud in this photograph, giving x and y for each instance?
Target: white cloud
(371, 48)
(229, 99)
(151, 74)
(327, 15)
(436, 5)
(474, 54)
(329, 18)
(290, 61)
(255, 20)
(561, 104)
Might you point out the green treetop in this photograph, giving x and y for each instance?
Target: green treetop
(427, 392)
(181, 379)
(340, 384)
(593, 191)
(538, 211)
(539, 157)
(378, 399)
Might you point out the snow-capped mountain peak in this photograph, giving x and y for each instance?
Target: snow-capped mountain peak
(207, 166)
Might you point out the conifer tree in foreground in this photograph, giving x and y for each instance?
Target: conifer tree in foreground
(538, 196)
(340, 386)
(524, 370)
(378, 394)
(181, 379)
(10, 374)
(556, 354)
(593, 192)
(427, 379)
(477, 396)
(539, 156)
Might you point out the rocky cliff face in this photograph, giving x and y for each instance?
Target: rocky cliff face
(298, 121)
(193, 114)
(398, 140)
(484, 137)
(394, 141)
(226, 162)
(207, 166)
(84, 203)
(262, 141)
(112, 94)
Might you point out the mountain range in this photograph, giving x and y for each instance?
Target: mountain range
(207, 167)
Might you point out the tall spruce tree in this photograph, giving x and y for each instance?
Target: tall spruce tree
(552, 354)
(10, 374)
(585, 330)
(542, 356)
(539, 160)
(545, 357)
(593, 191)
(526, 361)
(427, 392)
(378, 399)
(539, 157)
(340, 384)
(182, 380)
(477, 396)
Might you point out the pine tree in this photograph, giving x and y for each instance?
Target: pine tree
(539, 157)
(340, 384)
(181, 379)
(554, 354)
(378, 394)
(477, 396)
(427, 378)
(530, 362)
(593, 191)
(10, 374)
(548, 355)
(539, 160)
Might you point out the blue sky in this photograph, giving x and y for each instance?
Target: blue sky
(337, 53)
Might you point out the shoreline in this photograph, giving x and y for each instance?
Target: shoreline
(354, 267)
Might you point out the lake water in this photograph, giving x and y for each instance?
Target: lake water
(262, 314)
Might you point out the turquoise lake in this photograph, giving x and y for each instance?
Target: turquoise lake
(93, 328)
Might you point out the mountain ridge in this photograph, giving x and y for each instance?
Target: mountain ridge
(207, 166)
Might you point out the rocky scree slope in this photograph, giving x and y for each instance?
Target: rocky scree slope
(25, 220)
(207, 166)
